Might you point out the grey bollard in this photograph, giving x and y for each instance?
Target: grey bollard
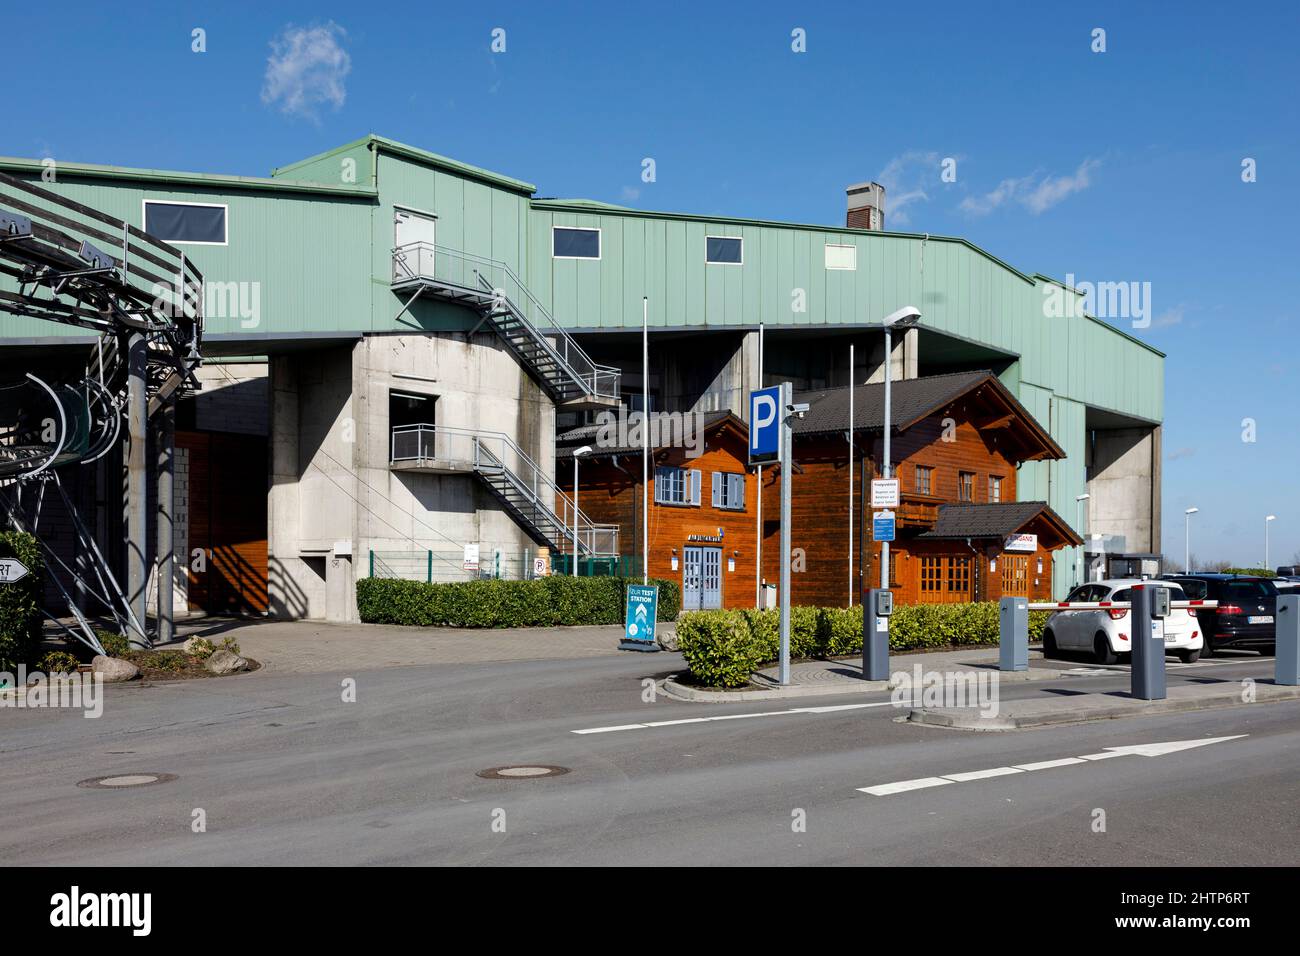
(875, 635)
(1286, 659)
(1147, 680)
(1013, 634)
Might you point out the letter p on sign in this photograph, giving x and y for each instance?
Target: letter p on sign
(764, 425)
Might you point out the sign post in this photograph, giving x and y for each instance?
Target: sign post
(12, 570)
(639, 623)
(883, 526)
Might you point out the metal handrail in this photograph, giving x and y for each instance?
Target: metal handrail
(479, 274)
(491, 452)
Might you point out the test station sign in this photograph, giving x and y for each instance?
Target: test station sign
(11, 570)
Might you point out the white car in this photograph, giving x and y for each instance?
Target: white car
(1107, 632)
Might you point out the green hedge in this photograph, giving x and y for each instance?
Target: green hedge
(543, 602)
(723, 648)
(20, 615)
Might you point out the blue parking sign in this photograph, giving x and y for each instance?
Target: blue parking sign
(764, 425)
(639, 624)
(882, 526)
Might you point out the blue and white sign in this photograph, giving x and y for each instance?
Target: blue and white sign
(764, 425)
(882, 526)
(642, 607)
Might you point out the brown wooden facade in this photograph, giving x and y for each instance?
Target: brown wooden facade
(965, 451)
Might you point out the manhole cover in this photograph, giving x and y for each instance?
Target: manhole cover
(122, 781)
(522, 773)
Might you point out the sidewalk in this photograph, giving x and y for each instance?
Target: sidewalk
(308, 647)
(1026, 714)
(816, 678)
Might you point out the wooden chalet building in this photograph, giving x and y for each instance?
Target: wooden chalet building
(961, 534)
(702, 527)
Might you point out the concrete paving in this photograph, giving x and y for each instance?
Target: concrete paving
(288, 772)
(313, 647)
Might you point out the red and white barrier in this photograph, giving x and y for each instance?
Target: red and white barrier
(1105, 605)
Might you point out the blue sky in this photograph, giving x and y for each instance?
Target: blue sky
(1115, 166)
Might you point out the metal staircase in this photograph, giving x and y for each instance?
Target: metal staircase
(492, 289)
(526, 493)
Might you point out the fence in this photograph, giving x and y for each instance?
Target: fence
(444, 566)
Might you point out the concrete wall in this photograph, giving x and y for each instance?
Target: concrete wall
(335, 498)
(1124, 482)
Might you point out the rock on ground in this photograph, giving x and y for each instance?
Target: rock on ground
(114, 669)
(225, 662)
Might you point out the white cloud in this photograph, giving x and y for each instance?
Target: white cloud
(306, 69)
(1035, 192)
(904, 178)
(630, 194)
(1179, 453)
(1169, 317)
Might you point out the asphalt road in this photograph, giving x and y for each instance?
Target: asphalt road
(287, 773)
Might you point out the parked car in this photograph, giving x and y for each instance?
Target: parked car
(1244, 618)
(1287, 585)
(1105, 632)
(1289, 571)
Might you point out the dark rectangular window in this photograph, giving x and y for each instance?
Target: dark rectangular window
(568, 243)
(924, 480)
(182, 222)
(724, 249)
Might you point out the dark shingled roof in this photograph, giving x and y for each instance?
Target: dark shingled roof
(911, 401)
(587, 434)
(993, 520)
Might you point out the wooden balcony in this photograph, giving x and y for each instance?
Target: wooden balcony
(918, 511)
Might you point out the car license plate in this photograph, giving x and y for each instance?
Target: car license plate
(1260, 619)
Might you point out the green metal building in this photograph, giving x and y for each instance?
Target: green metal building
(375, 269)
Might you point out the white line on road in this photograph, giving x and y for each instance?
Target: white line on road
(1141, 750)
(704, 720)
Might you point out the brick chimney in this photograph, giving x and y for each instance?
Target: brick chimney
(866, 206)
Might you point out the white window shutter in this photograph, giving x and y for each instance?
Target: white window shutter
(717, 489)
(738, 497)
(695, 486)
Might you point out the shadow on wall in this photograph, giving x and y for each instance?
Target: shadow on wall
(287, 599)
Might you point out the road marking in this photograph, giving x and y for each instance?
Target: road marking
(1131, 750)
(904, 785)
(980, 774)
(835, 708)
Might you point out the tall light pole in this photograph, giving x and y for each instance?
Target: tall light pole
(1266, 521)
(906, 316)
(1187, 539)
(1078, 524)
(577, 453)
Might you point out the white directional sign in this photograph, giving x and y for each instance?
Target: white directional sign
(1138, 750)
(11, 570)
(884, 493)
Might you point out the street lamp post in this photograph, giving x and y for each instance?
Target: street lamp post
(577, 453)
(1266, 521)
(1187, 539)
(902, 319)
(1078, 524)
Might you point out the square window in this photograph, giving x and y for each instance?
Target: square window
(192, 223)
(725, 250)
(572, 243)
(841, 258)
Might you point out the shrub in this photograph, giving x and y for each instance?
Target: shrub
(543, 602)
(114, 645)
(20, 602)
(719, 647)
(229, 644)
(717, 650)
(58, 662)
(200, 647)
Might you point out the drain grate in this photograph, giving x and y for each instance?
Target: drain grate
(123, 781)
(524, 772)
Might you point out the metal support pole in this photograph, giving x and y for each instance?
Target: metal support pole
(645, 440)
(884, 468)
(1148, 666)
(1286, 652)
(575, 516)
(165, 439)
(137, 412)
(852, 390)
(758, 509)
(787, 396)
(1013, 634)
